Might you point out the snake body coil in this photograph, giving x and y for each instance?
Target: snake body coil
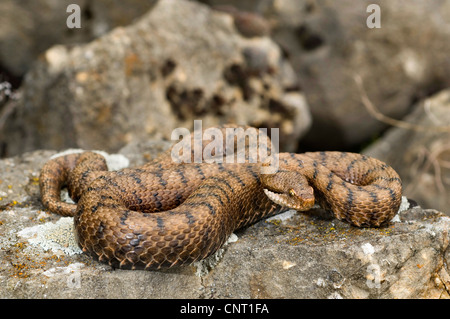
(163, 214)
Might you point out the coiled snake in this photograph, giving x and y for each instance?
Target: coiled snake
(164, 214)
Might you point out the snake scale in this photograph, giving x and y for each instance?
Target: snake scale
(164, 214)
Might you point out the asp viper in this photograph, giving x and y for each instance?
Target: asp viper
(164, 214)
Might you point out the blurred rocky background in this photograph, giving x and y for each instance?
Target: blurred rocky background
(136, 70)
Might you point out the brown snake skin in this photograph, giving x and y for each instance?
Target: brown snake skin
(164, 214)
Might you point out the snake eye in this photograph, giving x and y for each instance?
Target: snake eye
(292, 192)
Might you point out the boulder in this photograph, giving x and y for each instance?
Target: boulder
(293, 255)
(420, 153)
(41, 24)
(328, 42)
(180, 62)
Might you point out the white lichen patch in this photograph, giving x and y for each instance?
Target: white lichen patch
(283, 216)
(368, 249)
(63, 270)
(404, 205)
(287, 264)
(58, 237)
(114, 161)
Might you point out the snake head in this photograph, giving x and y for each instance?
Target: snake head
(289, 189)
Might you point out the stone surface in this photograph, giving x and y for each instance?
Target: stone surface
(160, 73)
(294, 255)
(328, 42)
(421, 154)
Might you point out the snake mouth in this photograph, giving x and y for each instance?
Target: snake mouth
(285, 201)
